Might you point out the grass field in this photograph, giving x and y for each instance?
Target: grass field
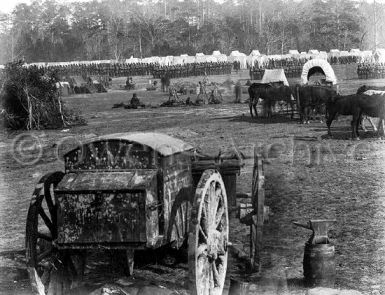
(308, 176)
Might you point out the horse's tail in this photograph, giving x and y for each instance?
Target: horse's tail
(251, 96)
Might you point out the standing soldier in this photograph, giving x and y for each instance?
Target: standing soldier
(238, 92)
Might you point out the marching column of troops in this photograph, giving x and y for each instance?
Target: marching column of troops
(371, 70)
(193, 69)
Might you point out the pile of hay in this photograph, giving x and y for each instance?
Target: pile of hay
(30, 99)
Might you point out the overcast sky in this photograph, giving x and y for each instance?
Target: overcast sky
(7, 5)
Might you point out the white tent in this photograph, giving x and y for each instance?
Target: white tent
(221, 58)
(334, 53)
(239, 57)
(234, 53)
(379, 55)
(188, 59)
(293, 52)
(321, 63)
(200, 57)
(178, 60)
(276, 75)
(211, 58)
(132, 60)
(216, 52)
(323, 55)
(313, 51)
(255, 53)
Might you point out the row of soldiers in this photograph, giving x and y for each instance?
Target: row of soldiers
(143, 69)
(105, 69)
(290, 72)
(371, 70)
(343, 59)
(280, 63)
(193, 69)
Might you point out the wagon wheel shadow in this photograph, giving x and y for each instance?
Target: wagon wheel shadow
(177, 229)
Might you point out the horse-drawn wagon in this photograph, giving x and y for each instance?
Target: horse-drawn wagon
(126, 192)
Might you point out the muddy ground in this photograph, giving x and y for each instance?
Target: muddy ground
(308, 176)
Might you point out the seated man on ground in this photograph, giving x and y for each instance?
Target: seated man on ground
(134, 102)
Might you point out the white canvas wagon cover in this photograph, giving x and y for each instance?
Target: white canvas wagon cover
(276, 75)
(321, 63)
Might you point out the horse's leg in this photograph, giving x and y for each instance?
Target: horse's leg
(251, 106)
(354, 123)
(292, 110)
(357, 125)
(255, 104)
(362, 123)
(380, 129)
(329, 122)
(371, 123)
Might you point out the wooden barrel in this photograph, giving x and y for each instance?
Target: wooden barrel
(319, 267)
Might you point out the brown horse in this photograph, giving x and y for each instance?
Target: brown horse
(312, 99)
(363, 89)
(356, 105)
(270, 96)
(255, 90)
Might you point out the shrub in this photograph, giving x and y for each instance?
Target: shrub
(31, 100)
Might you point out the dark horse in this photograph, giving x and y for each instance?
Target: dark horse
(363, 89)
(270, 96)
(312, 98)
(255, 91)
(356, 105)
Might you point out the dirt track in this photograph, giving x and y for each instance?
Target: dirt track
(338, 179)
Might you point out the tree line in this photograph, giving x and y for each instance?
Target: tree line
(47, 30)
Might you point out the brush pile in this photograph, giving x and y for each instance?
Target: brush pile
(30, 99)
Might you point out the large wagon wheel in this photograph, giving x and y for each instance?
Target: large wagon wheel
(50, 270)
(258, 202)
(208, 236)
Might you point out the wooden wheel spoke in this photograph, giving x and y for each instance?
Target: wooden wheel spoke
(44, 254)
(211, 280)
(46, 219)
(220, 238)
(181, 217)
(219, 216)
(212, 197)
(46, 276)
(215, 274)
(203, 233)
(44, 237)
(50, 204)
